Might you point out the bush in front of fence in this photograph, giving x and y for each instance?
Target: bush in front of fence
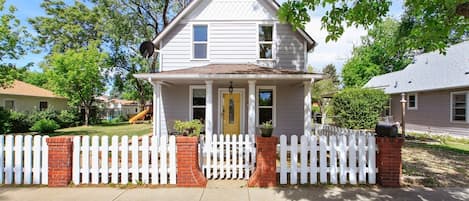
(358, 108)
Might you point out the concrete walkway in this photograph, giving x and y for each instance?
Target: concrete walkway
(227, 191)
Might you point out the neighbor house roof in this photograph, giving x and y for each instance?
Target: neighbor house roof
(20, 88)
(193, 4)
(233, 71)
(430, 71)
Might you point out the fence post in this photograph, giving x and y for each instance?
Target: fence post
(389, 161)
(265, 174)
(60, 161)
(188, 170)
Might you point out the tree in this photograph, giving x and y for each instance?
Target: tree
(430, 24)
(127, 24)
(13, 43)
(330, 72)
(381, 52)
(77, 75)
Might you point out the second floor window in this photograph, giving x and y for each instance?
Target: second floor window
(265, 41)
(200, 42)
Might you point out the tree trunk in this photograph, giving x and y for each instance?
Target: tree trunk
(87, 115)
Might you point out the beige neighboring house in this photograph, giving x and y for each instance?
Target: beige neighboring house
(112, 107)
(24, 97)
(436, 87)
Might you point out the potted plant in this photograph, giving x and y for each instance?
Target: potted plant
(266, 129)
(188, 128)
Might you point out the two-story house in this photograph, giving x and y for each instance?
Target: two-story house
(232, 64)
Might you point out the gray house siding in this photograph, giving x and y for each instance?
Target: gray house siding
(432, 113)
(289, 105)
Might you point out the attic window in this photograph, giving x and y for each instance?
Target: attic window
(266, 41)
(200, 41)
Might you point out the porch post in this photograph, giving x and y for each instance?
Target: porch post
(307, 107)
(156, 108)
(208, 110)
(252, 109)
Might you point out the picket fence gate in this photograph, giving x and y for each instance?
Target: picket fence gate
(23, 159)
(228, 157)
(153, 163)
(336, 158)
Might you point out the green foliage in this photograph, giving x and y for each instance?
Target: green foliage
(13, 43)
(191, 128)
(76, 74)
(428, 24)
(67, 118)
(381, 52)
(358, 108)
(4, 123)
(330, 72)
(267, 125)
(19, 122)
(35, 78)
(45, 126)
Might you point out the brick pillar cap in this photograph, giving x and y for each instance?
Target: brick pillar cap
(187, 139)
(60, 139)
(272, 139)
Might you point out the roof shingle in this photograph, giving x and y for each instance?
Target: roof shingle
(24, 89)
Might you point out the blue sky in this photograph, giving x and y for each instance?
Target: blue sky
(325, 53)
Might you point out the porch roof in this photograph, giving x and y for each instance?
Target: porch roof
(230, 71)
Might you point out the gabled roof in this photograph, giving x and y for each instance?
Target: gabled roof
(193, 4)
(20, 88)
(430, 71)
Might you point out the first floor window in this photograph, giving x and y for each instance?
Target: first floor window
(198, 103)
(9, 105)
(265, 105)
(459, 107)
(43, 105)
(412, 101)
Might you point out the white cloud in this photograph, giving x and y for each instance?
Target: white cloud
(335, 52)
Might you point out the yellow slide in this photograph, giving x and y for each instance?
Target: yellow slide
(138, 116)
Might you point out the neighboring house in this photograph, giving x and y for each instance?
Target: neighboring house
(112, 108)
(436, 87)
(24, 97)
(233, 65)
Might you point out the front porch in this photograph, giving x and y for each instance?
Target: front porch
(233, 99)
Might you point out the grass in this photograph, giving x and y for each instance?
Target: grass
(107, 129)
(435, 161)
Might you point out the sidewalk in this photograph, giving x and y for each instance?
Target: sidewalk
(229, 190)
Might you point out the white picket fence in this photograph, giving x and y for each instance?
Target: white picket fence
(228, 157)
(335, 158)
(23, 159)
(153, 160)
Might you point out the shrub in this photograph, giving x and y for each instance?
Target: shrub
(4, 121)
(357, 108)
(19, 122)
(46, 114)
(67, 118)
(191, 128)
(45, 126)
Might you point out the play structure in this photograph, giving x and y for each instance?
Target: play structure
(139, 116)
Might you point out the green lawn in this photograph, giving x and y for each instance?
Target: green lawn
(107, 129)
(443, 142)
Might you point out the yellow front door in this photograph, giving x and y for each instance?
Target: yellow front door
(231, 113)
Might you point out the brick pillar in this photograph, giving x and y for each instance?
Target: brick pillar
(265, 174)
(60, 161)
(188, 170)
(389, 161)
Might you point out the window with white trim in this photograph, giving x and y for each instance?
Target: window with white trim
(198, 104)
(266, 41)
(199, 41)
(265, 105)
(9, 105)
(412, 101)
(459, 107)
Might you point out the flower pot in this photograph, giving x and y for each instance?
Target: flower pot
(266, 132)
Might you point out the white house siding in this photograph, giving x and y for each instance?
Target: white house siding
(232, 37)
(31, 103)
(289, 105)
